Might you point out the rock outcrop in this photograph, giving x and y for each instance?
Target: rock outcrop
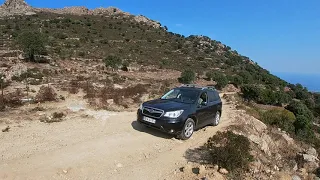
(14, 7)
(20, 7)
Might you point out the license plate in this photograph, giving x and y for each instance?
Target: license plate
(150, 120)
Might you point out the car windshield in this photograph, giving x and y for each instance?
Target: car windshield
(182, 95)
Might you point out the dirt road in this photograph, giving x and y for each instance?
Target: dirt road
(96, 145)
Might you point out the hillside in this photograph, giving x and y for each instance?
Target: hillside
(97, 36)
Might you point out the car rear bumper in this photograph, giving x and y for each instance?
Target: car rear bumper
(167, 125)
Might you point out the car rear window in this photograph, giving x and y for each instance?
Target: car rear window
(213, 96)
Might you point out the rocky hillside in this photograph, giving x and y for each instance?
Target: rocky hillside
(78, 32)
(20, 7)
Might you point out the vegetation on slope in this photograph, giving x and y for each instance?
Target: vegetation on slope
(118, 41)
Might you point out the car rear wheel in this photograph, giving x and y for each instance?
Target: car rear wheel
(188, 129)
(216, 119)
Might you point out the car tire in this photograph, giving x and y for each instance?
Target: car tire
(216, 119)
(187, 130)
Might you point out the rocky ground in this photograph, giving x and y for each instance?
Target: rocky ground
(89, 144)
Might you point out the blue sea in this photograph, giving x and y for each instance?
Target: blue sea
(311, 81)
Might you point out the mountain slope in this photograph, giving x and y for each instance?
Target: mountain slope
(134, 39)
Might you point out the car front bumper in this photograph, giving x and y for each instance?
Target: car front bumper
(167, 125)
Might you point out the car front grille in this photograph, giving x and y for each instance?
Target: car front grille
(153, 112)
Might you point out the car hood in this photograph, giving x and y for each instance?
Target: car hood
(166, 105)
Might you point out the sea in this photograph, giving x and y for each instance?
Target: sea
(311, 81)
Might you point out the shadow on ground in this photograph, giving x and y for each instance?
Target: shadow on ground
(197, 155)
(142, 128)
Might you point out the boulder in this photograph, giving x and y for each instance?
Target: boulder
(312, 151)
(295, 177)
(216, 167)
(110, 101)
(202, 169)
(21, 57)
(223, 171)
(262, 143)
(309, 158)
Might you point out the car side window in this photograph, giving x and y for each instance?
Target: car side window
(213, 96)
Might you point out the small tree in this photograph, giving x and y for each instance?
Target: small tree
(113, 61)
(187, 77)
(32, 44)
(221, 81)
(237, 80)
(219, 78)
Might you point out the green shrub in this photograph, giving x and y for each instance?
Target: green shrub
(113, 61)
(250, 92)
(33, 44)
(263, 95)
(59, 35)
(298, 108)
(187, 77)
(219, 78)
(283, 119)
(230, 151)
(237, 80)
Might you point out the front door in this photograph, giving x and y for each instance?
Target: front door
(203, 110)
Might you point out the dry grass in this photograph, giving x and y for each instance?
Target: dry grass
(12, 99)
(46, 93)
(107, 96)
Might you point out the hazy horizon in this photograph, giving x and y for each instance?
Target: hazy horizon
(309, 80)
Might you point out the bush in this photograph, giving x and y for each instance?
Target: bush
(60, 35)
(123, 96)
(219, 78)
(283, 119)
(3, 83)
(46, 93)
(230, 151)
(250, 92)
(299, 108)
(113, 61)
(12, 99)
(187, 77)
(33, 44)
(264, 96)
(237, 80)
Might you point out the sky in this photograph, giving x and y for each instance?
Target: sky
(281, 35)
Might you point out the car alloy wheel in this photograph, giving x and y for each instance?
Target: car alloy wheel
(188, 130)
(217, 119)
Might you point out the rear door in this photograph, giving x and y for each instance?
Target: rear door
(214, 105)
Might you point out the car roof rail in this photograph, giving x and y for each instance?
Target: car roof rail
(211, 88)
(198, 86)
(189, 85)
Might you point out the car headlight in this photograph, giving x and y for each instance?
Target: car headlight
(173, 114)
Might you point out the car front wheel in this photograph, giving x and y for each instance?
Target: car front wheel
(188, 129)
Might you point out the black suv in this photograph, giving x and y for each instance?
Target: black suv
(182, 110)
